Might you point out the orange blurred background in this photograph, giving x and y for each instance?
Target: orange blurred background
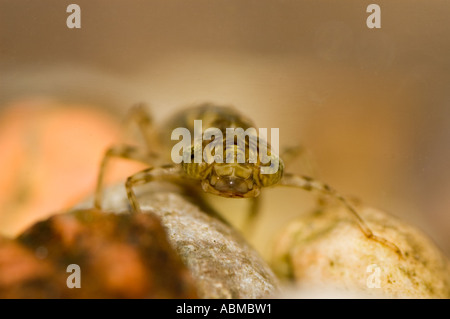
(371, 106)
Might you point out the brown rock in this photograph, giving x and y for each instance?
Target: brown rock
(120, 256)
(25, 275)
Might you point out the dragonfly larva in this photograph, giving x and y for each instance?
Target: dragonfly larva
(234, 180)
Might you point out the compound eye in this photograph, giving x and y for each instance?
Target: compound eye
(192, 169)
(189, 155)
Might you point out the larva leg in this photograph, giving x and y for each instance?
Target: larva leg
(146, 176)
(310, 184)
(253, 212)
(308, 166)
(142, 118)
(139, 115)
(119, 151)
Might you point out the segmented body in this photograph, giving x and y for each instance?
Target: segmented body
(211, 115)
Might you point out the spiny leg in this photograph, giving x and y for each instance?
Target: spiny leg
(290, 154)
(253, 212)
(146, 176)
(120, 151)
(310, 184)
(139, 115)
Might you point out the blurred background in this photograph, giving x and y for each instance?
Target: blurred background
(372, 106)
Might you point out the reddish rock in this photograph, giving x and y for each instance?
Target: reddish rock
(120, 256)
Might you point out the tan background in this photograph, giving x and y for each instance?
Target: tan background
(372, 106)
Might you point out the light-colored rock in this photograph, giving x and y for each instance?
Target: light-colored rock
(326, 251)
(222, 263)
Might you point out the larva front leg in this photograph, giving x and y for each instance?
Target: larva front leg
(119, 151)
(147, 176)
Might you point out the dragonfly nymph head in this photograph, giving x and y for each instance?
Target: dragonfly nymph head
(231, 180)
(234, 179)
